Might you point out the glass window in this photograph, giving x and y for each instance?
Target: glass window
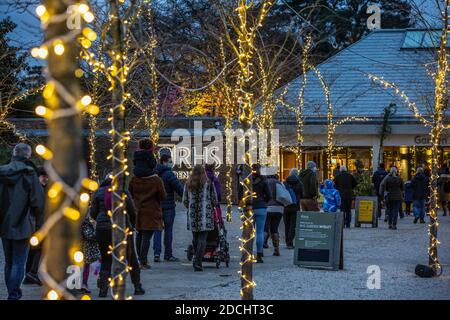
(423, 39)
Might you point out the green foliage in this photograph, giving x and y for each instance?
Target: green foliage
(365, 186)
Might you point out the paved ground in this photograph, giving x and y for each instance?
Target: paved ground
(395, 252)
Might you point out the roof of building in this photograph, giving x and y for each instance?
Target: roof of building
(352, 93)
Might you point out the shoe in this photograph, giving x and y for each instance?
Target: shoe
(31, 278)
(84, 289)
(416, 219)
(259, 258)
(145, 266)
(276, 244)
(422, 221)
(171, 259)
(290, 247)
(103, 293)
(266, 240)
(138, 290)
(385, 219)
(390, 226)
(157, 259)
(197, 268)
(394, 227)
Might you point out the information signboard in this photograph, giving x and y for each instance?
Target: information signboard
(319, 240)
(366, 211)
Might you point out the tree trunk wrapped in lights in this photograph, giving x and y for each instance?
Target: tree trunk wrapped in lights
(120, 136)
(244, 51)
(64, 165)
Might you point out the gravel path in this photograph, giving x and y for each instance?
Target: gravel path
(395, 252)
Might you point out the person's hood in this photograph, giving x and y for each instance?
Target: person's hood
(210, 174)
(381, 170)
(258, 179)
(305, 173)
(142, 155)
(421, 176)
(10, 173)
(329, 184)
(292, 180)
(161, 168)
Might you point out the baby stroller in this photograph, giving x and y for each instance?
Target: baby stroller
(217, 247)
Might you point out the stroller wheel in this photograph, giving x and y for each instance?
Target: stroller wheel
(190, 252)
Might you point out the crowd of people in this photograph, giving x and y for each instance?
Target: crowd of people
(151, 209)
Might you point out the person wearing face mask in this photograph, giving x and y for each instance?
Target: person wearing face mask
(310, 188)
(172, 185)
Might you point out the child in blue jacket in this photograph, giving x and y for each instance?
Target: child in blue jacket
(332, 198)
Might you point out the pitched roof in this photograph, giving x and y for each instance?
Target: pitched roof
(352, 93)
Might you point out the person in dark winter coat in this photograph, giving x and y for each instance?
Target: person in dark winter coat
(393, 185)
(377, 177)
(295, 188)
(310, 188)
(34, 254)
(262, 192)
(408, 197)
(171, 185)
(421, 192)
(101, 203)
(331, 197)
(274, 215)
(148, 192)
(144, 159)
(21, 200)
(345, 183)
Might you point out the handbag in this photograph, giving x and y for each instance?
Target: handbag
(88, 230)
(282, 195)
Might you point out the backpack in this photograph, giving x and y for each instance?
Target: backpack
(282, 195)
(293, 195)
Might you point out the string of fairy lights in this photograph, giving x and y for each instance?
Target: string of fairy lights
(436, 121)
(246, 49)
(332, 125)
(230, 115)
(70, 201)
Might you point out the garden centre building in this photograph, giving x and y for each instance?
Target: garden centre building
(403, 57)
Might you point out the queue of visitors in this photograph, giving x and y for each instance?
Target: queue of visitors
(151, 211)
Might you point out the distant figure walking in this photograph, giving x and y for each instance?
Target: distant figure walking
(392, 184)
(295, 188)
(22, 201)
(274, 215)
(421, 192)
(310, 188)
(377, 178)
(345, 183)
